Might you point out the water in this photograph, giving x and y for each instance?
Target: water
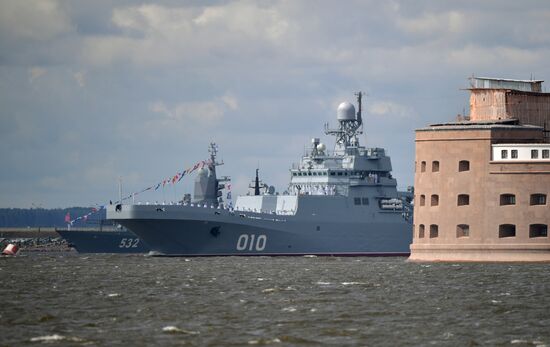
(99, 300)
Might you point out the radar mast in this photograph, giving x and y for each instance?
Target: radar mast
(350, 124)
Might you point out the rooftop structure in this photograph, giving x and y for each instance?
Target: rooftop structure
(503, 99)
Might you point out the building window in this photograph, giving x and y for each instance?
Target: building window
(434, 200)
(435, 166)
(463, 165)
(421, 231)
(423, 166)
(462, 230)
(434, 231)
(365, 201)
(514, 153)
(538, 199)
(534, 154)
(506, 230)
(504, 154)
(422, 200)
(545, 153)
(538, 230)
(357, 201)
(507, 199)
(463, 199)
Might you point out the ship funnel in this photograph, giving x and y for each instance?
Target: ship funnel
(345, 112)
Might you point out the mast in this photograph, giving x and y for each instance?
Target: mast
(257, 184)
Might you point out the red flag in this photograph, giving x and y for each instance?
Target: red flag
(68, 217)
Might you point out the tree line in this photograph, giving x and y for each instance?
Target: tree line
(41, 217)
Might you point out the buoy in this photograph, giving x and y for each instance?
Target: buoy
(10, 249)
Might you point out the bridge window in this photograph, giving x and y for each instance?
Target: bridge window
(545, 153)
(462, 230)
(421, 231)
(538, 199)
(507, 199)
(514, 153)
(423, 166)
(538, 230)
(365, 201)
(534, 153)
(463, 200)
(435, 166)
(422, 200)
(504, 154)
(333, 173)
(463, 165)
(357, 201)
(339, 174)
(435, 200)
(434, 231)
(506, 230)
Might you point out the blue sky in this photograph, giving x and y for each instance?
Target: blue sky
(94, 90)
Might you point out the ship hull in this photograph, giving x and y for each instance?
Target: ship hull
(86, 241)
(200, 232)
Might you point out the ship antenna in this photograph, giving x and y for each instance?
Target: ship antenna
(257, 183)
(360, 104)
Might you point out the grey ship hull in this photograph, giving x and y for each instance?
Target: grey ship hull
(95, 241)
(198, 231)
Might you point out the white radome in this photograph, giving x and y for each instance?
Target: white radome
(203, 171)
(345, 111)
(321, 147)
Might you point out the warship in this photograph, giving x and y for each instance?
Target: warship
(106, 239)
(342, 202)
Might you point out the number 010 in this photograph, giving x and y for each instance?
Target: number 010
(251, 242)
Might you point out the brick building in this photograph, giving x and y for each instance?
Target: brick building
(482, 186)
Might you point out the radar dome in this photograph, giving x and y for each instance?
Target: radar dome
(345, 112)
(321, 147)
(203, 172)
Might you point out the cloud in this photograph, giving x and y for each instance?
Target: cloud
(389, 109)
(155, 34)
(433, 24)
(187, 114)
(33, 19)
(80, 78)
(35, 73)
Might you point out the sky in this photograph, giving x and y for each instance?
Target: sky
(94, 91)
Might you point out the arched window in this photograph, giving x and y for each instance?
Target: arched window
(435, 166)
(506, 230)
(434, 200)
(423, 166)
(538, 230)
(507, 199)
(538, 199)
(422, 200)
(434, 231)
(462, 230)
(463, 199)
(463, 165)
(421, 231)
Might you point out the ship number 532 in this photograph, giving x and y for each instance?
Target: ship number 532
(251, 243)
(128, 243)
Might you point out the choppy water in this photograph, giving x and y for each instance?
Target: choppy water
(76, 300)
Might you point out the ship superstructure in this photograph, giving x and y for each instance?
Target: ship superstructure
(339, 202)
